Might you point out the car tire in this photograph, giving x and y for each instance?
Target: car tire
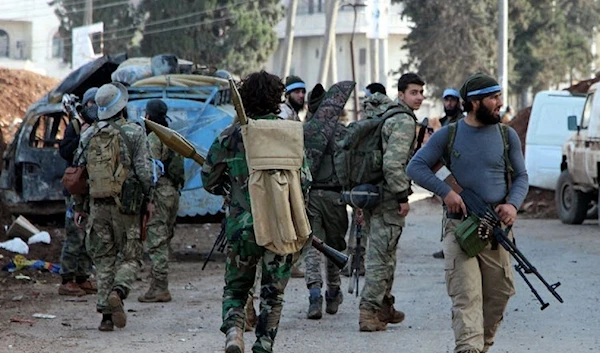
(571, 204)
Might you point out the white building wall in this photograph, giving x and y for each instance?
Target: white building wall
(308, 46)
(36, 24)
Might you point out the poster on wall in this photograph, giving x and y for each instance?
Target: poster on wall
(83, 49)
(378, 19)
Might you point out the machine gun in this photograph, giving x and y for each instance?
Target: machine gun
(220, 243)
(355, 269)
(488, 215)
(71, 104)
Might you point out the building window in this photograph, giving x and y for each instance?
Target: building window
(362, 56)
(58, 46)
(4, 44)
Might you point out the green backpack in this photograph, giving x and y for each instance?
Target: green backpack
(174, 169)
(359, 156)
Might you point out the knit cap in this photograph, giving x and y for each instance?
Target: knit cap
(478, 86)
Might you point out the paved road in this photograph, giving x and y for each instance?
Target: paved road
(569, 254)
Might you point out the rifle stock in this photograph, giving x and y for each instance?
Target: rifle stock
(338, 258)
(355, 270)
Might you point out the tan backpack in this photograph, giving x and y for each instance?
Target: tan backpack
(106, 172)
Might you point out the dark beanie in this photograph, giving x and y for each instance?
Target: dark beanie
(315, 98)
(478, 86)
(294, 83)
(157, 110)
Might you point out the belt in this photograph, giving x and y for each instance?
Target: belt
(105, 201)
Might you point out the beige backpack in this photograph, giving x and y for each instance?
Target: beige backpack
(106, 172)
(275, 152)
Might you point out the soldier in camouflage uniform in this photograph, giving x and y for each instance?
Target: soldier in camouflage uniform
(384, 223)
(328, 220)
(75, 263)
(166, 204)
(226, 171)
(111, 233)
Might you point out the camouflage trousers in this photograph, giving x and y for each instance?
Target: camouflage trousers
(160, 229)
(384, 227)
(244, 258)
(112, 235)
(74, 258)
(479, 287)
(329, 222)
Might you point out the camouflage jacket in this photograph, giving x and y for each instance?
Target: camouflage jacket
(226, 168)
(138, 161)
(398, 141)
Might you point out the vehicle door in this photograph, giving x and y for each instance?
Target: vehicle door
(577, 161)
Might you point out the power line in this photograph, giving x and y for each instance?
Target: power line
(154, 23)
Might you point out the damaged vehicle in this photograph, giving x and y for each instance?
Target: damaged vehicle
(199, 109)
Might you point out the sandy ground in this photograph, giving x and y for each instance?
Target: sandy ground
(190, 323)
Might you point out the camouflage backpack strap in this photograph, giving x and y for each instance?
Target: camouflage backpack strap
(449, 150)
(77, 126)
(508, 175)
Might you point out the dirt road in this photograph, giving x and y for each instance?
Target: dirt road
(569, 254)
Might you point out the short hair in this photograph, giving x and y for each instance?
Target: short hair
(376, 87)
(407, 79)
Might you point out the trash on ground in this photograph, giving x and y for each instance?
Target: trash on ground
(44, 316)
(22, 320)
(15, 245)
(23, 277)
(17, 298)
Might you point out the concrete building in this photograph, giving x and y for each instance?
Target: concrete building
(29, 38)
(309, 31)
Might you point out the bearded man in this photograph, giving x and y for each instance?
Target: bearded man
(475, 151)
(295, 92)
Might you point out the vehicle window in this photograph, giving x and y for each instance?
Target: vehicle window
(587, 112)
(48, 131)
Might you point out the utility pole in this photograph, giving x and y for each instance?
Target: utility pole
(503, 48)
(333, 62)
(374, 49)
(289, 38)
(330, 21)
(88, 12)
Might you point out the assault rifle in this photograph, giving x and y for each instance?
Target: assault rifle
(355, 269)
(485, 212)
(220, 243)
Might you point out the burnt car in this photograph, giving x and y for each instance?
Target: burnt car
(30, 182)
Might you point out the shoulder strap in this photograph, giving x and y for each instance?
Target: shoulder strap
(452, 127)
(125, 138)
(508, 175)
(77, 126)
(395, 109)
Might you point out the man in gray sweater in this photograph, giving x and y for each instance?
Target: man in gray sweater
(479, 286)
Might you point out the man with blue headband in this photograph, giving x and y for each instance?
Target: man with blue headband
(295, 92)
(486, 158)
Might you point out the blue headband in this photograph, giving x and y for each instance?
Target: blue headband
(111, 103)
(486, 90)
(295, 85)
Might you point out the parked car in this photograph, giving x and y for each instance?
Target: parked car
(547, 131)
(577, 186)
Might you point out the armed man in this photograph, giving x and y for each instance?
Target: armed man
(479, 286)
(328, 221)
(227, 171)
(116, 155)
(384, 223)
(166, 204)
(75, 263)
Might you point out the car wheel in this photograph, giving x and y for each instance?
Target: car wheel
(571, 204)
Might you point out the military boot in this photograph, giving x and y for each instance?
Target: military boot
(106, 324)
(470, 351)
(71, 288)
(333, 299)
(234, 340)
(251, 318)
(157, 293)
(115, 303)
(315, 307)
(388, 314)
(368, 320)
(486, 347)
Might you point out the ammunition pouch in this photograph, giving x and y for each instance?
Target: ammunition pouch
(468, 236)
(132, 196)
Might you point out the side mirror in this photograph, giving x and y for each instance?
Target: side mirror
(572, 123)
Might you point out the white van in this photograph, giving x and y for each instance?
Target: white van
(546, 133)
